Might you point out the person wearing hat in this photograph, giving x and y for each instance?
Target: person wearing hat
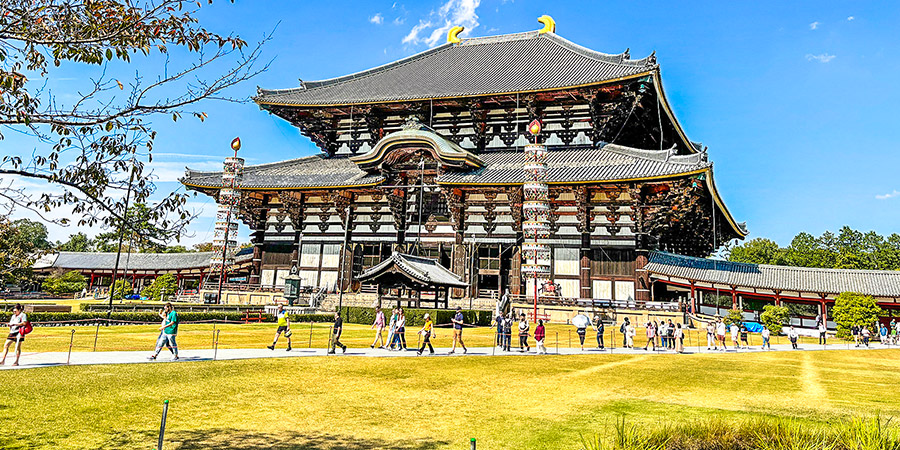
(457, 331)
(426, 332)
(284, 326)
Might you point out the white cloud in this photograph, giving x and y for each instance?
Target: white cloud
(171, 171)
(895, 193)
(850, 18)
(438, 23)
(377, 19)
(822, 58)
(399, 20)
(814, 25)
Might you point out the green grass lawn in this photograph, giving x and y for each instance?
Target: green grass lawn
(545, 402)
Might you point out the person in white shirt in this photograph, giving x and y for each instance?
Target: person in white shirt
(711, 336)
(765, 338)
(16, 322)
(822, 331)
(720, 333)
(794, 337)
(734, 335)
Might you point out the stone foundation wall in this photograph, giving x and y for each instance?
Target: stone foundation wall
(370, 300)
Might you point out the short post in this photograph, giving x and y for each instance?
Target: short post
(71, 341)
(494, 347)
(216, 345)
(162, 425)
(96, 333)
(570, 338)
(310, 334)
(557, 342)
(214, 335)
(472, 447)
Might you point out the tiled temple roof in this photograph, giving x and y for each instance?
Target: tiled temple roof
(423, 270)
(132, 261)
(477, 66)
(877, 283)
(607, 162)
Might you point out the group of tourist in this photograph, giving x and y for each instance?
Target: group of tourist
(664, 334)
(507, 324)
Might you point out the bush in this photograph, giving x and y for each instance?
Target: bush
(734, 316)
(121, 289)
(163, 286)
(854, 309)
(64, 283)
(774, 318)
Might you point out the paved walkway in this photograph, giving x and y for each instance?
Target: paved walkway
(34, 360)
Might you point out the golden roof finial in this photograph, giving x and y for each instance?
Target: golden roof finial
(549, 24)
(452, 35)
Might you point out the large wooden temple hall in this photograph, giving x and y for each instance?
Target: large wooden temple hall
(424, 156)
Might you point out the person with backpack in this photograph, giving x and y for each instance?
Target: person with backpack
(284, 326)
(624, 330)
(523, 334)
(169, 330)
(18, 328)
(507, 331)
(598, 325)
(457, 331)
(539, 334)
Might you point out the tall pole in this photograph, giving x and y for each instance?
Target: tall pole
(343, 257)
(229, 198)
(421, 194)
(112, 287)
(224, 255)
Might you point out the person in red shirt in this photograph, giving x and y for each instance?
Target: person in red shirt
(539, 334)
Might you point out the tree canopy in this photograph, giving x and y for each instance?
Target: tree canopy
(848, 249)
(21, 242)
(94, 142)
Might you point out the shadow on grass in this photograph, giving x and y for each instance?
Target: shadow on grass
(229, 439)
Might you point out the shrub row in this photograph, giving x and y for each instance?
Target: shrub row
(415, 317)
(153, 317)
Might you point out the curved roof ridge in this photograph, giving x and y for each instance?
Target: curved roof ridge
(306, 85)
(621, 58)
(666, 155)
(259, 166)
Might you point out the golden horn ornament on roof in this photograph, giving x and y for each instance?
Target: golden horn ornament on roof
(452, 35)
(549, 24)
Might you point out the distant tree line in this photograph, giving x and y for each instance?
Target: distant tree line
(848, 249)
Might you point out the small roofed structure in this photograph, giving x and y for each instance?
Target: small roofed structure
(402, 272)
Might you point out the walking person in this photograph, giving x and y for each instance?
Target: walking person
(507, 331)
(744, 333)
(284, 326)
(711, 336)
(523, 334)
(392, 329)
(581, 331)
(765, 337)
(720, 333)
(864, 332)
(426, 333)
(854, 330)
(601, 329)
(670, 334)
(679, 339)
(661, 333)
(378, 326)
(734, 335)
(822, 331)
(499, 319)
(651, 335)
(883, 334)
(457, 331)
(793, 337)
(336, 334)
(400, 334)
(169, 330)
(631, 333)
(624, 330)
(16, 322)
(539, 334)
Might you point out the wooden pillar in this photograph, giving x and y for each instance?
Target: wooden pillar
(344, 204)
(777, 298)
(585, 274)
(734, 304)
(824, 310)
(515, 196)
(641, 277)
(694, 306)
(91, 285)
(459, 257)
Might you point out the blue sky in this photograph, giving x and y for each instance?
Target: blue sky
(797, 101)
